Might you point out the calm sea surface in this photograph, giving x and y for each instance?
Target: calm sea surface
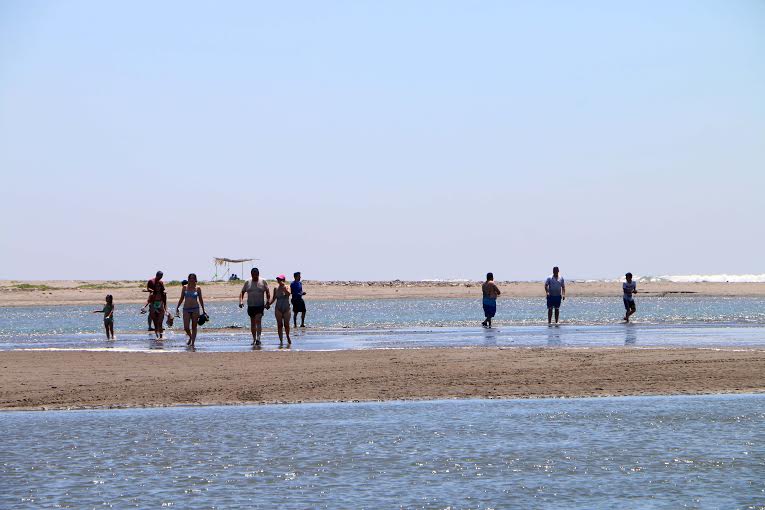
(359, 324)
(634, 452)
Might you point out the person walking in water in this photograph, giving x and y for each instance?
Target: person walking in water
(108, 311)
(150, 289)
(555, 288)
(258, 297)
(193, 304)
(282, 309)
(157, 304)
(298, 305)
(630, 289)
(490, 294)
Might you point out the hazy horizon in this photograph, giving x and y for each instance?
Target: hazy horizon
(381, 141)
(716, 278)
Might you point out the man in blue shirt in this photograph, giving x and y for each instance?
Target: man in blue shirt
(555, 288)
(298, 305)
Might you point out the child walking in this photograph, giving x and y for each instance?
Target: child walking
(108, 311)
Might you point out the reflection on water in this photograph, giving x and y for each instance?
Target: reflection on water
(656, 452)
(489, 337)
(565, 335)
(630, 334)
(553, 335)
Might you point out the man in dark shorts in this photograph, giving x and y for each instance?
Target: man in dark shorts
(298, 305)
(555, 288)
(630, 288)
(258, 297)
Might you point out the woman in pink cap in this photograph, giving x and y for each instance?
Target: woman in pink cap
(281, 297)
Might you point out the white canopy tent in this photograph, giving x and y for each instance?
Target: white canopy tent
(224, 263)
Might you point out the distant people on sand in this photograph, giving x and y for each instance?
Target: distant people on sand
(193, 308)
(258, 298)
(282, 309)
(555, 289)
(108, 311)
(490, 294)
(157, 304)
(298, 305)
(630, 289)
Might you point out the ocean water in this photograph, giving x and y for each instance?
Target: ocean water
(633, 452)
(677, 321)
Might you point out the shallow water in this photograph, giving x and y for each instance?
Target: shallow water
(361, 324)
(410, 313)
(634, 452)
(621, 335)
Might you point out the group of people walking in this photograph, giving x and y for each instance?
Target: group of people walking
(259, 299)
(288, 304)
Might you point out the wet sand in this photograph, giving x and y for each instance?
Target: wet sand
(81, 292)
(77, 379)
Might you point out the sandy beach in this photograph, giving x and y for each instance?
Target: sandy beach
(88, 292)
(77, 379)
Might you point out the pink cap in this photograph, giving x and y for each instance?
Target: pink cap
(281, 277)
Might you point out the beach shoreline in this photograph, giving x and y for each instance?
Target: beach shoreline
(92, 292)
(35, 380)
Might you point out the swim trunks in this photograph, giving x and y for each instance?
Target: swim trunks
(252, 311)
(298, 305)
(553, 301)
(489, 307)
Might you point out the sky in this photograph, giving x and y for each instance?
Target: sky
(369, 140)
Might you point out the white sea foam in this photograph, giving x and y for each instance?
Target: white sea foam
(712, 278)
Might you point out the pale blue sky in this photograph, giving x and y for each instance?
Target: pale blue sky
(376, 140)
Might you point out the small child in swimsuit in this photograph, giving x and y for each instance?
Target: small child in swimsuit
(108, 311)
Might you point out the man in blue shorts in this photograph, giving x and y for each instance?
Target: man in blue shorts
(555, 288)
(490, 293)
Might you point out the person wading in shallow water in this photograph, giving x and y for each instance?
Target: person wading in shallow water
(282, 309)
(555, 288)
(157, 304)
(108, 311)
(258, 297)
(630, 288)
(298, 304)
(193, 304)
(150, 289)
(490, 294)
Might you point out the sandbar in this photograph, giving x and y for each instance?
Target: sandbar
(82, 379)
